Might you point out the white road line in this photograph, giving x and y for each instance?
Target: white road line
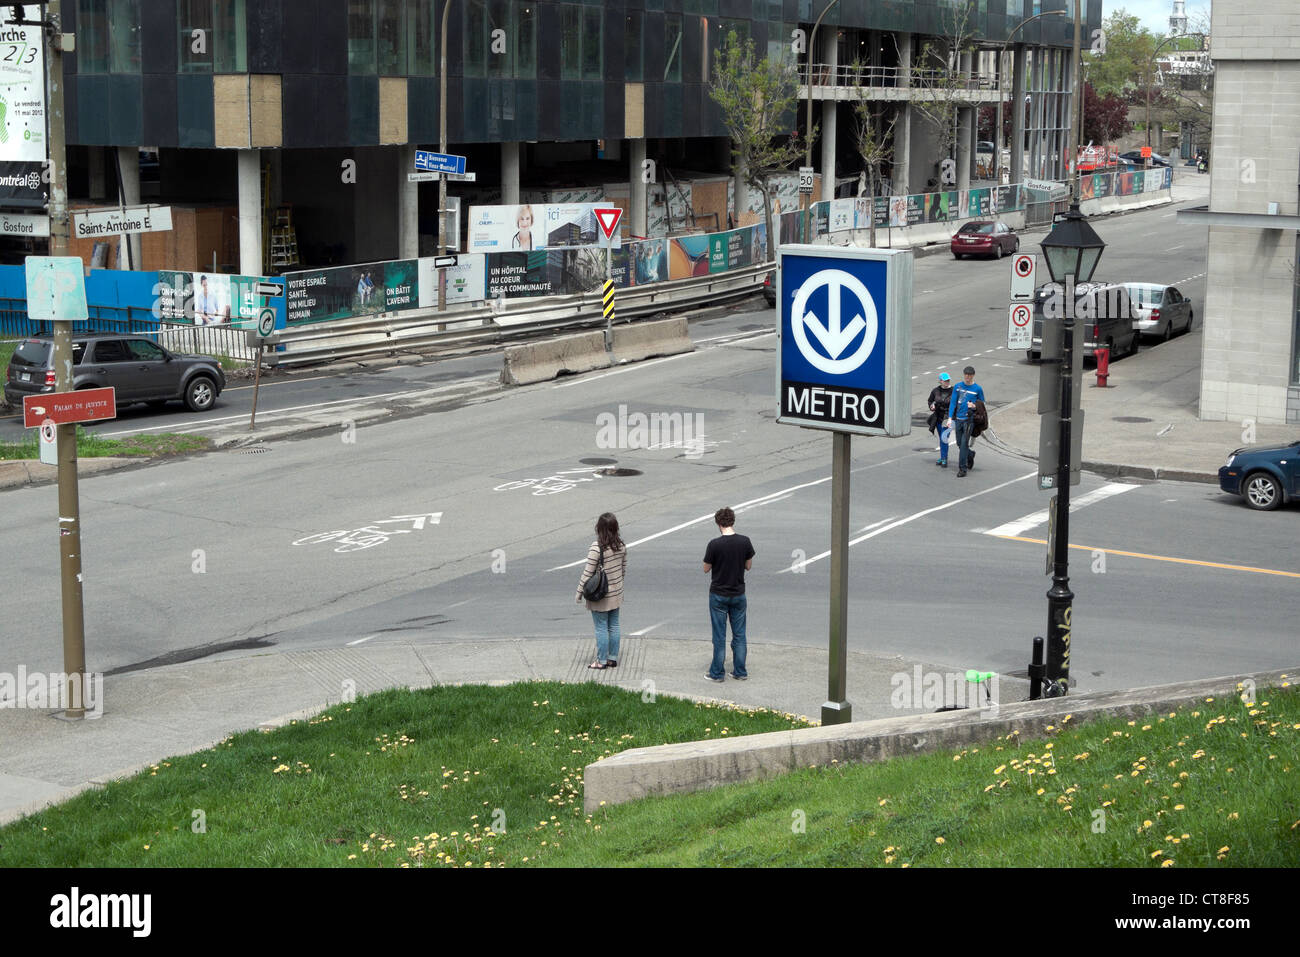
(912, 518)
(1022, 525)
(646, 631)
(1170, 249)
(734, 336)
(867, 528)
(209, 424)
(360, 640)
(752, 503)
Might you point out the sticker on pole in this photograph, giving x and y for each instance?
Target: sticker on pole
(1020, 331)
(1023, 270)
(608, 217)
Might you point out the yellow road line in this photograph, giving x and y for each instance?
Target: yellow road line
(1160, 558)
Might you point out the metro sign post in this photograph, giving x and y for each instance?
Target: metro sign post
(844, 362)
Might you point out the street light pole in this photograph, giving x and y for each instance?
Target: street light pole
(806, 199)
(442, 148)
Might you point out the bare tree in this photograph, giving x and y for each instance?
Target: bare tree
(873, 137)
(758, 99)
(936, 74)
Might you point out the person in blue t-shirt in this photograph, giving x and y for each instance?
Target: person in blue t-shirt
(961, 409)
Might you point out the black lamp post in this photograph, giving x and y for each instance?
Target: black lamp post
(1072, 250)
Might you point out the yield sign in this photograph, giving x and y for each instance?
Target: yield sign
(608, 217)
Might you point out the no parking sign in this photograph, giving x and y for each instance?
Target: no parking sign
(1020, 331)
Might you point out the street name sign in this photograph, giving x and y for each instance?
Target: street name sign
(25, 225)
(432, 162)
(844, 339)
(61, 408)
(119, 220)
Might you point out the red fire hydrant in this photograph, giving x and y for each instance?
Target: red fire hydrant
(1103, 366)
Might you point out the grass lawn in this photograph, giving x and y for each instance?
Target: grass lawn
(474, 776)
(90, 445)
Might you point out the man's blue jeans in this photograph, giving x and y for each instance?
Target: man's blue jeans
(607, 634)
(963, 427)
(722, 607)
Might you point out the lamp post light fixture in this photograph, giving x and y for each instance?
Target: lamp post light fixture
(1072, 250)
(806, 199)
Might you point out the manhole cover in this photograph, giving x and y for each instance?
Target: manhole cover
(1130, 418)
(252, 450)
(619, 473)
(597, 461)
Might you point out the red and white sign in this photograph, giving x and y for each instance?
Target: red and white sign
(88, 405)
(1146, 152)
(608, 217)
(1019, 332)
(1023, 269)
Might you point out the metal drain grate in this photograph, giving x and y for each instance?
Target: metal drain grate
(252, 450)
(619, 473)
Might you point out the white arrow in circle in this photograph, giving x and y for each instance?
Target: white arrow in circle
(834, 340)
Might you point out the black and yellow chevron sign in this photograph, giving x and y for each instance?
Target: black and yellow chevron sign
(607, 298)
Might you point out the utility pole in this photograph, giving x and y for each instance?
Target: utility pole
(442, 148)
(74, 633)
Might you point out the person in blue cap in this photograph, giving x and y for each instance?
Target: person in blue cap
(961, 409)
(938, 401)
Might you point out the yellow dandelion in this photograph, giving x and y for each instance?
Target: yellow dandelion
(1167, 863)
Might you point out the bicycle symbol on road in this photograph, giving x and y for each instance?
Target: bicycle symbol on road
(356, 539)
(833, 336)
(552, 484)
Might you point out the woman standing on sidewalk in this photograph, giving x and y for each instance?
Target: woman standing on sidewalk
(608, 551)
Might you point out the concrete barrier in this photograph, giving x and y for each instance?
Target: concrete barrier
(698, 765)
(540, 361)
(644, 340)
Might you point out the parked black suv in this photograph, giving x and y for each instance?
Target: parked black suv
(137, 367)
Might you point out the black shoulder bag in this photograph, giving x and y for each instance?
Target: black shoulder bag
(597, 586)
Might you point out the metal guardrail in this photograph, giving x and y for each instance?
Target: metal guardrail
(405, 331)
(218, 340)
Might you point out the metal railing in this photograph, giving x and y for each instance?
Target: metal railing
(877, 77)
(219, 340)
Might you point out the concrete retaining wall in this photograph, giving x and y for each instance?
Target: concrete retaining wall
(644, 340)
(698, 765)
(540, 361)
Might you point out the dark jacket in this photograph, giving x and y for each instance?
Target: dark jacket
(938, 403)
(980, 417)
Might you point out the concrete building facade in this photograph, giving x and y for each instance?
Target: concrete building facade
(1250, 367)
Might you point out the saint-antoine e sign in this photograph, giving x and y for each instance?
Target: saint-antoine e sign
(845, 339)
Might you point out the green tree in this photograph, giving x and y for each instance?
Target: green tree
(1124, 68)
(757, 99)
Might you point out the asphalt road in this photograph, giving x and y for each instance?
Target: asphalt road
(468, 522)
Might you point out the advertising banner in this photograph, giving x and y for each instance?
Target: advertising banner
(466, 281)
(650, 261)
(495, 229)
(207, 299)
(688, 256)
(537, 273)
(343, 292)
(22, 114)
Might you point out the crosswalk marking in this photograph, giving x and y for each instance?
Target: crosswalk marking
(1022, 525)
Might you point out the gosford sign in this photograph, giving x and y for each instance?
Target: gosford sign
(845, 339)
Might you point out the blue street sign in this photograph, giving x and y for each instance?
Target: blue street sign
(845, 339)
(439, 162)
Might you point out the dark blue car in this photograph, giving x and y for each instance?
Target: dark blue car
(1264, 475)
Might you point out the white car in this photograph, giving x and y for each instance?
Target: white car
(1160, 311)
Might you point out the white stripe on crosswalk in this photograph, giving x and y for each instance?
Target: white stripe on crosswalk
(1022, 525)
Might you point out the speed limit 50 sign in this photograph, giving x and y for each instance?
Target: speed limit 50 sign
(1023, 267)
(1020, 327)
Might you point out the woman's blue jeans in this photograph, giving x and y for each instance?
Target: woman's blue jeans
(607, 635)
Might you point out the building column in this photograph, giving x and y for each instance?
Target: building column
(963, 147)
(972, 146)
(98, 157)
(408, 205)
(639, 213)
(249, 166)
(830, 56)
(901, 172)
(1018, 113)
(128, 162)
(509, 174)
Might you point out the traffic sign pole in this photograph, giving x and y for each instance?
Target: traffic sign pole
(837, 709)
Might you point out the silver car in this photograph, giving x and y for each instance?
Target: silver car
(1159, 311)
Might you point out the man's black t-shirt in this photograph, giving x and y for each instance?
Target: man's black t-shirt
(726, 555)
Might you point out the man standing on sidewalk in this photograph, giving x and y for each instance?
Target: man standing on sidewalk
(961, 409)
(727, 558)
